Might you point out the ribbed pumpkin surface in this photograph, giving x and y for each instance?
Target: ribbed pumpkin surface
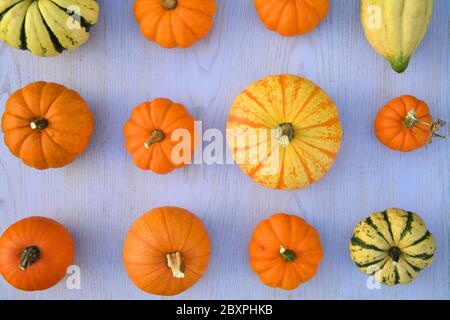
(285, 251)
(175, 23)
(157, 234)
(392, 131)
(292, 17)
(47, 125)
(163, 116)
(284, 132)
(47, 266)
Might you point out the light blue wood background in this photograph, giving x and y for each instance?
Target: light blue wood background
(99, 196)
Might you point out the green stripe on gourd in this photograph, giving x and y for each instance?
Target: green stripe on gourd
(423, 256)
(358, 242)
(38, 33)
(5, 5)
(382, 225)
(415, 268)
(410, 271)
(370, 264)
(47, 27)
(420, 230)
(408, 225)
(11, 24)
(423, 238)
(373, 271)
(396, 275)
(419, 263)
(392, 246)
(89, 10)
(375, 227)
(386, 219)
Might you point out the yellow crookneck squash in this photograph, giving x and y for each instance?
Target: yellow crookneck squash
(47, 27)
(395, 29)
(284, 132)
(392, 246)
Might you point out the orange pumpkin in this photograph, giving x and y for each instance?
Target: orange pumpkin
(292, 17)
(166, 251)
(35, 253)
(151, 136)
(284, 132)
(405, 124)
(285, 251)
(175, 23)
(47, 125)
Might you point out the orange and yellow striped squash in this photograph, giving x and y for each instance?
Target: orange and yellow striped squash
(284, 132)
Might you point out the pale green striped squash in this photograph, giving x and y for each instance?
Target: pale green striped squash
(392, 246)
(395, 28)
(47, 27)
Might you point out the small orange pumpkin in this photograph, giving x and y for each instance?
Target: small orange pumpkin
(285, 251)
(149, 135)
(175, 23)
(166, 251)
(292, 17)
(405, 124)
(35, 253)
(47, 125)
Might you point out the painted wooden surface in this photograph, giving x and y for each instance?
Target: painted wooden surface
(99, 196)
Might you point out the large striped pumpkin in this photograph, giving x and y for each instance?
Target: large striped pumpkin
(284, 132)
(47, 27)
(392, 246)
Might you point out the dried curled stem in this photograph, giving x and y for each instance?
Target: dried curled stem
(411, 120)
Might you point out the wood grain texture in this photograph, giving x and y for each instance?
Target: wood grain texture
(100, 195)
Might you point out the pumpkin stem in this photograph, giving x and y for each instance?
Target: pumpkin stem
(395, 253)
(411, 120)
(29, 256)
(156, 136)
(434, 127)
(286, 134)
(39, 124)
(176, 264)
(169, 4)
(287, 255)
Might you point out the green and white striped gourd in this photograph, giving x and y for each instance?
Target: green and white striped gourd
(392, 246)
(47, 27)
